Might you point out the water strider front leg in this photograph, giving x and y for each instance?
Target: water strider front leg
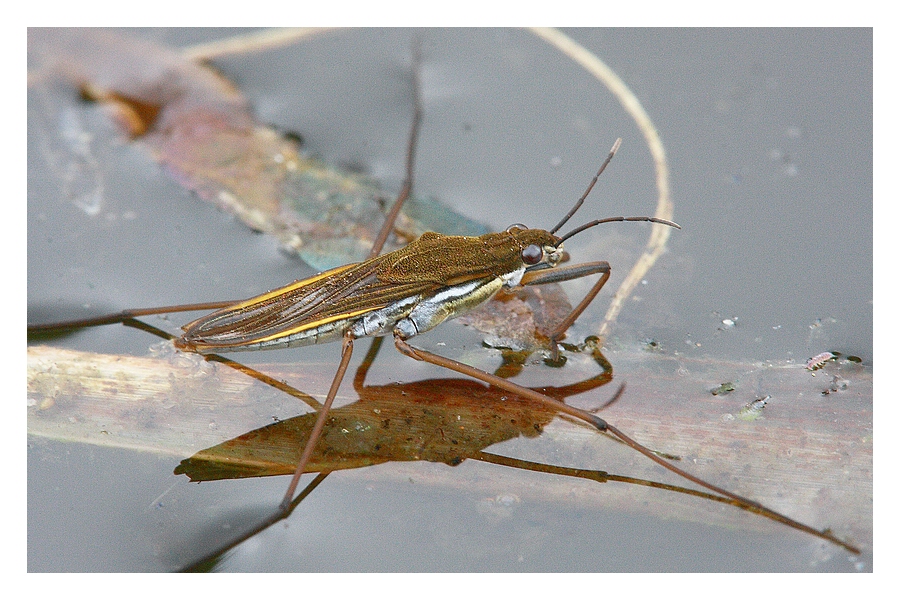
(560, 274)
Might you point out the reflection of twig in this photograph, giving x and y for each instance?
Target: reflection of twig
(664, 206)
(251, 42)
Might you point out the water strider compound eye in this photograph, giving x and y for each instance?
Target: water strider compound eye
(532, 254)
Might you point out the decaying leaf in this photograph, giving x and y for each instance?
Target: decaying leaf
(200, 127)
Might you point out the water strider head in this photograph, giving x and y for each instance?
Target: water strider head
(543, 249)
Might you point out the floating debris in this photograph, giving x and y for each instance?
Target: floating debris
(725, 388)
(727, 322)
(818, 361)
(651, 345)
(838, 384)
(753, 410)
(520, 320)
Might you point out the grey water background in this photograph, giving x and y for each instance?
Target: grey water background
(769, 139)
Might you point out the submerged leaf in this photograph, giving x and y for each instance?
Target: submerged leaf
(200, 128)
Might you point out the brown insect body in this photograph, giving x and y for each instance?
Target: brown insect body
(405, 292)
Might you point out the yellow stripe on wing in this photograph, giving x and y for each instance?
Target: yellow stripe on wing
(290, 288)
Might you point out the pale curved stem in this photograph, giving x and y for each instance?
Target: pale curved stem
(659, 234)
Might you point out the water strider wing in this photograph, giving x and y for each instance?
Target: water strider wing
(341, 294)
(321, 307)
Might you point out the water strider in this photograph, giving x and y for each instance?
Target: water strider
(407, 292)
